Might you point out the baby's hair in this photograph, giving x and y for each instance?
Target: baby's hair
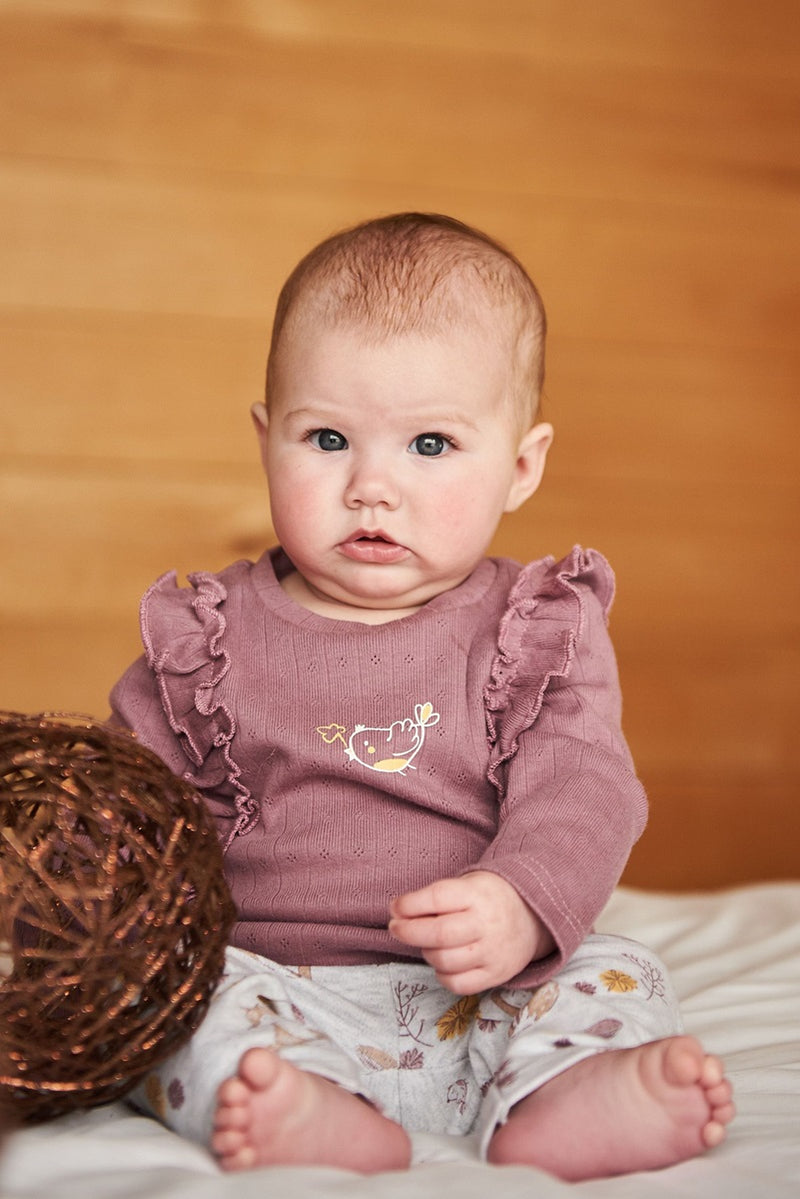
(419, 273)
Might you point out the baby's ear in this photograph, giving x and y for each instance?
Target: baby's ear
(529, 466)
(261, 423)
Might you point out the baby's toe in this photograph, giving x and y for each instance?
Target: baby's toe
(713, 1072)
(233, 1092)
(714, 1134)
(227, 1141)
(720, 1094)
(231, 1118)
(244, 1159)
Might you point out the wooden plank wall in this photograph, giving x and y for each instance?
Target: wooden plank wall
(163, 163)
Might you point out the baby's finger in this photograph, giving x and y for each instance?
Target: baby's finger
(451, 931)
(466, 982)
(445, 895)
(461, 959)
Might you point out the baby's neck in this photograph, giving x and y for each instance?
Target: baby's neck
(298, 590)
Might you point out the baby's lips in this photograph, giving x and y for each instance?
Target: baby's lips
(372, 549)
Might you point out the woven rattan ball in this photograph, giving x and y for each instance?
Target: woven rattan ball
(114, 913)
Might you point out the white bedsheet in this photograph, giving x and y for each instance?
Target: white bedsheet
(735, 961)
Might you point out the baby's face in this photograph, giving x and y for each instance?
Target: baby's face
(390, 463)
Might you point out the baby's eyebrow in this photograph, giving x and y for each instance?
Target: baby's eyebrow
(432, 420)
(419, 421)
(312, 416)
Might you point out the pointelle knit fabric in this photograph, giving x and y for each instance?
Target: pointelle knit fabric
(347, 763)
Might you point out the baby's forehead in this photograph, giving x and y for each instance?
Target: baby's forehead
(461, 307)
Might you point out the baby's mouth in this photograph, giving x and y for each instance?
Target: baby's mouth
(373, 545)
(375, 537)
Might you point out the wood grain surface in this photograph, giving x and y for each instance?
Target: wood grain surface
(164, 164)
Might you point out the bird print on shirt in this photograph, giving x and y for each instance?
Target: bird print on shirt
(389, 750)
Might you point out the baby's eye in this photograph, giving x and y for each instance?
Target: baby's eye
(328, 439)
(430, 445)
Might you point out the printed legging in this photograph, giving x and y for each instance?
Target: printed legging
(433, 1061)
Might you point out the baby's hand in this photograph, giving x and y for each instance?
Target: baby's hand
(476, 931)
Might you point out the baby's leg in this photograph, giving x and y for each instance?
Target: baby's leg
(273, 1113)
(597, 1078)
(620, 1111)
(259, 1005)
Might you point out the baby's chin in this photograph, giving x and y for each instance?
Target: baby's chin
(378, 606)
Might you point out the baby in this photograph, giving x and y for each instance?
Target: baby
(414, 756)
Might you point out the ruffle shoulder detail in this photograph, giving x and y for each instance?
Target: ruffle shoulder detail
(183, 632)
(543, 622)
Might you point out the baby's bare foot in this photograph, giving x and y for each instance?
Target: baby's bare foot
(621, 1111)
(271, 1113)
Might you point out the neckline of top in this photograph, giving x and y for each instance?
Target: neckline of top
(265, 578)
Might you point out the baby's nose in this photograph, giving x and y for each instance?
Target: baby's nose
(372, 484)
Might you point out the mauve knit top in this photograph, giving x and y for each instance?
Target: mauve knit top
(346, 763)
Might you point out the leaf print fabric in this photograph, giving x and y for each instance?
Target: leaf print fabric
(618, 980)
(605, 1028)
(458, 1018)
(412, 1059)
(406, 998)
(376, 1059)
(437, 1062)
(651, 975)
(542, 1000)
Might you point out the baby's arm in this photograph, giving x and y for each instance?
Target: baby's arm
(476, 931)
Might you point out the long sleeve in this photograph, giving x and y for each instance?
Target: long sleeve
(571, 806)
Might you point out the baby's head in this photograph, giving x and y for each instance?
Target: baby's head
(423, 274)
(400, 418)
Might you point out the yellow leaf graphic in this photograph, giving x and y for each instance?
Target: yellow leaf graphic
(617, 980)
(457, 1019)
